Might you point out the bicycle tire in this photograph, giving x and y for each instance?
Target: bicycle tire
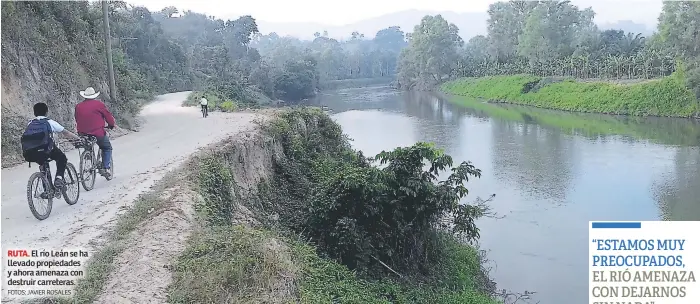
(87, 155)
(71, 179)
(42, 178)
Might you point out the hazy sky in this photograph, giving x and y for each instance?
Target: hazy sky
(344, 12)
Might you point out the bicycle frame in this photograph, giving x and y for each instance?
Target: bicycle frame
(91, 145)
(45, 169)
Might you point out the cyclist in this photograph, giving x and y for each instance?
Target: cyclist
(90, 117)
(205, 106)
(38, 143)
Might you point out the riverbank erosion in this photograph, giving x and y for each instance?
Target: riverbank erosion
(666, 97)
(288, 212)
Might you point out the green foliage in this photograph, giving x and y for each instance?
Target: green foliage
(298, 81)
(325, 281)
(354, 58)
(664, 97)
(235, 263)
(215, 184)
(319, 185)
(557, 39)
(230, 264)
(364, 215)
(431, 54)
(57, 49)
(228, 106)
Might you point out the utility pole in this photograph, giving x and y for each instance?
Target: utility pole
(108, 50)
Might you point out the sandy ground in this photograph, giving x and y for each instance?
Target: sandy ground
(168, 135)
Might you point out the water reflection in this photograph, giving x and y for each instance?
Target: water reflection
(537, 160)
(552, 172)
(678, 191)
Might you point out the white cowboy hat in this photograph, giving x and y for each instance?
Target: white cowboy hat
(89, 93)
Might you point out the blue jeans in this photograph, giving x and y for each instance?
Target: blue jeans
(106, 147)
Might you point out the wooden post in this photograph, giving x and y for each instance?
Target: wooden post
(108, 50)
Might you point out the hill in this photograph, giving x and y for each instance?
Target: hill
(470, 24)
(628, 26)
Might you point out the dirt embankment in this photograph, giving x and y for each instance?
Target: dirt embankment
(142, 273)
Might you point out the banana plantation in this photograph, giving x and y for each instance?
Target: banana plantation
(643, 65)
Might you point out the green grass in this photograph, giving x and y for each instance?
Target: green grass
(239, 264)
(325, 281)
(667, 97)
(101, 264)
(232, 264)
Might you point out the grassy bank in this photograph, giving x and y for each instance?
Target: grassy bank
(682, 132)
(667, 97)
(328, 227)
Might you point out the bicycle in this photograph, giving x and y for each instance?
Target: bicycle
(91, 162)
(50, 191)
(205, 111)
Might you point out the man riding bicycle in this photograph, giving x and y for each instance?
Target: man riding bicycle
(205, 106)
(90, 117)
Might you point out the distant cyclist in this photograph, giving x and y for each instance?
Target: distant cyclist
(38, 143)
(205, 106)
(90, 117)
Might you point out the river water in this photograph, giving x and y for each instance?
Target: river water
(551, 171)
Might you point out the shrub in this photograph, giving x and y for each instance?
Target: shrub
(369, 219)
(366, 216)
(227, 106)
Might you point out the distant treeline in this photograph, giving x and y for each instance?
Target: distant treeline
(552, 38)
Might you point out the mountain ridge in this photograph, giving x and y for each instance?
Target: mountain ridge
(470, 24)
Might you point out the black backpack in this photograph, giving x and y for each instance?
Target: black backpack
(37, 141)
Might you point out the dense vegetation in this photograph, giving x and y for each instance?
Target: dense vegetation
(70, 34)
(157, 52)
(553, 38)
(279, 67)
(51, 50)
(356, 233)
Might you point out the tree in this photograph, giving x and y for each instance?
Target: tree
(679, 32)
(431, 55)
(169, 11)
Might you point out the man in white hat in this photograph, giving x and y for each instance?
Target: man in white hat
(90, 117)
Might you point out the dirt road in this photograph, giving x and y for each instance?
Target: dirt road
(168, 135)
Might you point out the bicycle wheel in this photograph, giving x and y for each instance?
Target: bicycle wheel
(39, 188)
(88, 170)
(71, 192)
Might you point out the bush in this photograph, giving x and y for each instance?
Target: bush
(369, 219)
(228, 106)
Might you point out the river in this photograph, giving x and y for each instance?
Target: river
(551, 171)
